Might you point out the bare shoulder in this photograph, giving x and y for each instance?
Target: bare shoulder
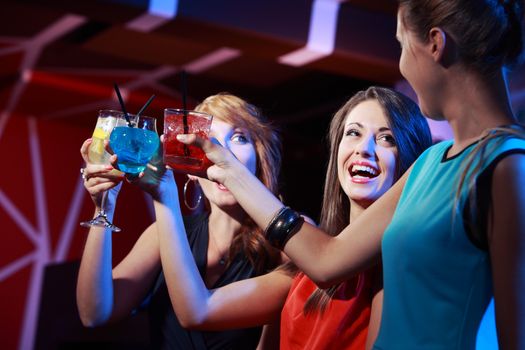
(509, 171)
(512, 160)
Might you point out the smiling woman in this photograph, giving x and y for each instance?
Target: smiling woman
(364, 162)
(367, 154)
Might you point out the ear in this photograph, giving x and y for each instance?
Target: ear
(437, 41)
(443, 49)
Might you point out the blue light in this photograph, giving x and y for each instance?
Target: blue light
(163, 8)
(487, 338)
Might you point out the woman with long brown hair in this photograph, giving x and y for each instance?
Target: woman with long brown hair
(450, 231)
(378, 133)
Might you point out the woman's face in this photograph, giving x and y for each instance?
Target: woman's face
(418, 67)
(367, 154)
(240, 143)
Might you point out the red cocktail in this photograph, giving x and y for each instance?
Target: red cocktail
(176, 154)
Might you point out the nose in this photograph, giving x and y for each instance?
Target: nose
(366, 146)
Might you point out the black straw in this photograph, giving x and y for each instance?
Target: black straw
(122, 105)
(184, 91)
(145, 105)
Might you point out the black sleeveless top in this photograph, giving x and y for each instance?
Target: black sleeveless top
(166, 331)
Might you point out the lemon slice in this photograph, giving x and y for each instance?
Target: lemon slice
(100, 133)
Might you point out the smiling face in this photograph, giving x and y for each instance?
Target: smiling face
(367, 153)
(240, 143)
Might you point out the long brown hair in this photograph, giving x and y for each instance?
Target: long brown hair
(412, 137)
(236, 111)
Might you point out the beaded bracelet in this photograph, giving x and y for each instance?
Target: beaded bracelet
(283, 226)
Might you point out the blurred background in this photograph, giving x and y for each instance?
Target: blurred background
(298, 60)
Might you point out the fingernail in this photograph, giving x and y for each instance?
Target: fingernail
(109, 167)
(182, 137)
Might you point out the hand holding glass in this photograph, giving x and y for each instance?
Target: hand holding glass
(185, 158)
(106, 122)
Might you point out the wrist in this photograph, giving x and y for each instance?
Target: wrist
(166, 193)
(236, 175)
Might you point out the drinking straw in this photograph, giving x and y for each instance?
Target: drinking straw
(122, 105)
(184, 109)
(145, 105)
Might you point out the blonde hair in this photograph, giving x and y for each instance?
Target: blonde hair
(236, 111)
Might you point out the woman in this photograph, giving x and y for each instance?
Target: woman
(225, 243)
(374, 138)
(455, 230)
(378, 133)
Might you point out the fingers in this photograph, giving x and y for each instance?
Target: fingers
(84, 149)
(113, 160)
(108, 148)
(100, 170)
(192, 139)
(96, 188)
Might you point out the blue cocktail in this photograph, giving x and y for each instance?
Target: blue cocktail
(136, 145)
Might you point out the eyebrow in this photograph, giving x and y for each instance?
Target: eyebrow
(381, 129)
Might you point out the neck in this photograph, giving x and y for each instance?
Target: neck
(474, 103)
(225, 223)
(356, 209)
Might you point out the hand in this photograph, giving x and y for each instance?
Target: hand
(156, 178)
(221, 162)
(99, 178)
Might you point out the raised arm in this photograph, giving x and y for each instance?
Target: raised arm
(105, 294)
(196, 306)
(325, 259)
(506, 234)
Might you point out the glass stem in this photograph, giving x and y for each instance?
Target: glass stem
(103, 203)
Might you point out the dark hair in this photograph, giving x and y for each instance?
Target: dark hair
(412, 134)
(410, 130)
(236, 111)
(488, 33)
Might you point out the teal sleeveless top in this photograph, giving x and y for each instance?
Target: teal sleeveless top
(437, 278)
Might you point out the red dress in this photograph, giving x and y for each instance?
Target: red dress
(344, 323)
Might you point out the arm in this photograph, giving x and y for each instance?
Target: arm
(104, 295)
(196, 306)
(325, 259)
(507, 250)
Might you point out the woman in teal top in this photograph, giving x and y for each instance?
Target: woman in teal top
(455, 221)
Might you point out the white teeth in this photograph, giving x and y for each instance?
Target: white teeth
(365, 168)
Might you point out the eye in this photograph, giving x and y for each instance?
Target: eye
(352, 132)
(239, 137)
(387, 138)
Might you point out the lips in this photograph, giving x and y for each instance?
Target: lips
(363, 172)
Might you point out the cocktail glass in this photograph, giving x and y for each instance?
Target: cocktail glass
(106, 122)
(177, 155)
(135, 145)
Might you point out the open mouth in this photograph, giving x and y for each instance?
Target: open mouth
(364, 171)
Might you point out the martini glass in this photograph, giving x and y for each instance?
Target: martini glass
(106, 122)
